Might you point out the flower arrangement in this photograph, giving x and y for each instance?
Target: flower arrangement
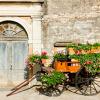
(61, 56)
(84, 48)
(36, 58)
(32, 60)
(44, 55)
(53, 79)
(87, 58)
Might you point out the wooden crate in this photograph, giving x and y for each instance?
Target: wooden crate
(63, 66)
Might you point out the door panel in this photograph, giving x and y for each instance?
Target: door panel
(3, 63)
(19, 54)
(3, 55)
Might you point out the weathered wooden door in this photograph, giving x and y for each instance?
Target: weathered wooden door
(12, 62)
(13, 52)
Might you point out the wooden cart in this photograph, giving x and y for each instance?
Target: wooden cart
(79, 80)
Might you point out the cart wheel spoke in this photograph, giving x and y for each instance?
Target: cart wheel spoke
(85, 91)
(87, 84)
(50, 91)
(90, 89)
(96, 84)
(73, 89)
(94, 88)
(71, 84)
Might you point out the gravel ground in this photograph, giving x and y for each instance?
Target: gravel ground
(31, 94)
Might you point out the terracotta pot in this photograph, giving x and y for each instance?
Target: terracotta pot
(83, 52)
(93, 50)
(43, 61)
(71, 51)
(97, 50)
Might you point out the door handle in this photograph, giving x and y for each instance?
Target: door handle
(11, 67)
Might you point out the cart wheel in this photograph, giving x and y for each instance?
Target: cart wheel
(51, 91)
(70, 84)
(87, 83)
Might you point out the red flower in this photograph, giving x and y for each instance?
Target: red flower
(78, 52)
(88, 62)
(44, 53)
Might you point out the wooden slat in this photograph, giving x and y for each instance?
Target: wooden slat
(61, 44)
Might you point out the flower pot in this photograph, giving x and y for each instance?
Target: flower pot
(97, 50)
(43, 61)
(94, 50)
(71, 51)
(83, 51)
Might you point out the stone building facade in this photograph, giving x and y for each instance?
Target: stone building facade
(71, 21)
(20, 35)
(27, 26)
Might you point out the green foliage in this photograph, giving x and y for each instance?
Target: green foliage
(34, 57)
(60, 56)
(44, 57)
(83, 46)
(90, 60)
(53, 78)
(96, 45)
(32, 60)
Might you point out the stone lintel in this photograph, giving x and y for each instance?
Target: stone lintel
(34, 1)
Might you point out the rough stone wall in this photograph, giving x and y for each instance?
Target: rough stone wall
(71, 20)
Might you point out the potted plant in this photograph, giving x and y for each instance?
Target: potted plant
(60, 56)
(84, 48)
(60, 61)
(51, 82)
(44, 56)
(32, 64)
(36, 58)
(52, 79)
(32, 59)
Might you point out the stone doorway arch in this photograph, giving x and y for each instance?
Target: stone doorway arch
(13, 52)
